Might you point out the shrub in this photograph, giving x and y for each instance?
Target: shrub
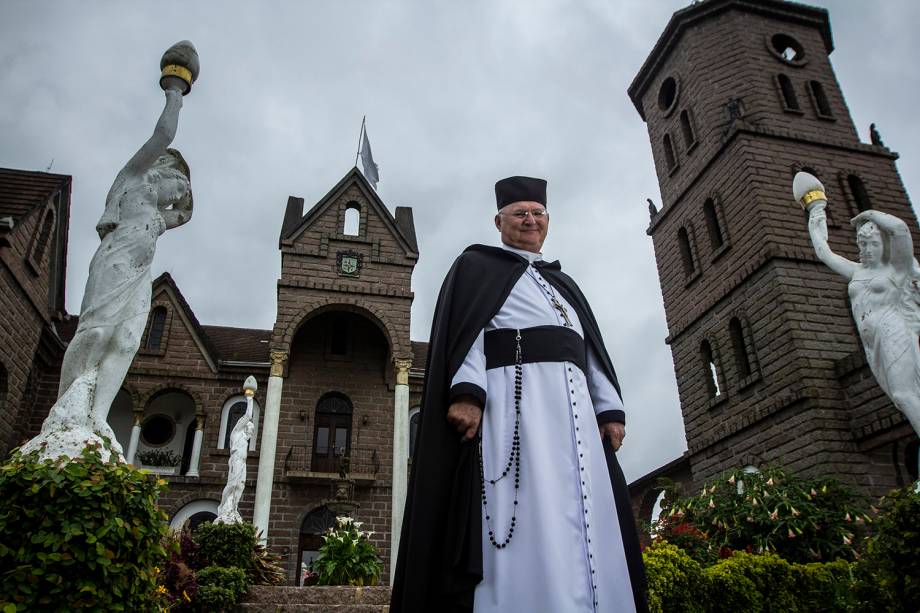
(688, 537)
(178, 575)
(82, 534)
(347, 556)
(226, 544)
(675, 581)
(231, 578)
(214, 598)
(802, 520)
(746, 582)
(158, 457)
(824, 586)
(889, 573)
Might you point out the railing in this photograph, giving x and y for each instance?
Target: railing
(358, 464)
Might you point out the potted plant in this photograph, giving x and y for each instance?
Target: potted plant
(160, 461)
(347, 556)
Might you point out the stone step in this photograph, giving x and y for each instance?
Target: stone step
(264, 607)
(317, 595)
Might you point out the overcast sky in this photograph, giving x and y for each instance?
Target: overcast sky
(457, 95)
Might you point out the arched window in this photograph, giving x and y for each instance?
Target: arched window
(710, 371)
(669, 157)
(686, 252)
(712, 224)
(233, 409)
(332, 433)
(314, 526)
(858, 190)
(352, 219)
(742, 359)
(686, 127)
(415, 416)
(157, 326)
(822, 105)
(4, 382)
(790, 100)
(43, 237)
(194, 513)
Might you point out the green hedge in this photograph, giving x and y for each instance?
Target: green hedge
(745, 582)
(79, 535)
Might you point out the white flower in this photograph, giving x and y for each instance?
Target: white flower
(358, 524)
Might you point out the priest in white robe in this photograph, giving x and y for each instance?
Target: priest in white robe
(531, 396)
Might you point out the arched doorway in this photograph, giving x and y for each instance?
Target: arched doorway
(314, 526)
(193, 514)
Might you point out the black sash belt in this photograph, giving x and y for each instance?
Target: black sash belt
(539, 344)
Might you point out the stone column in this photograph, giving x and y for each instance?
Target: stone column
(196, 448)
(265, 478)
(135, 437)
(400, 457)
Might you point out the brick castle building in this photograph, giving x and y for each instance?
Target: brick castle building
(738, 96)
(337, 374)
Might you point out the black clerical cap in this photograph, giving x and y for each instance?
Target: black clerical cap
(517, 189)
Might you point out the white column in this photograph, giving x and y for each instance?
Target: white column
(400, 457)
(196, 448)
(265, 479)
(135, 438)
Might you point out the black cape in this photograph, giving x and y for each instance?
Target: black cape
(440, 548)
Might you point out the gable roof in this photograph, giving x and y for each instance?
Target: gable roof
(21, 191)
(698, 11)
(240, 344)
(404, 231)
(201, 338)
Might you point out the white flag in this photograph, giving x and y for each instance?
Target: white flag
(367, 160)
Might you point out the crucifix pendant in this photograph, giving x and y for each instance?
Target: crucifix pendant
(562, 311)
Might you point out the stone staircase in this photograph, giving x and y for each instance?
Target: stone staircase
(338, 599)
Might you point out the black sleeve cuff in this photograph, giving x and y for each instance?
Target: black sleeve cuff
(606, 417)
(467, 389)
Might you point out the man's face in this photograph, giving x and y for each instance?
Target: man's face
(521, 231)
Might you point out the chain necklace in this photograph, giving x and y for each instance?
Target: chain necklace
(550, 293)
(514, 458)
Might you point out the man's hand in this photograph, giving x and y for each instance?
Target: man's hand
(615, 431)
(465, 414)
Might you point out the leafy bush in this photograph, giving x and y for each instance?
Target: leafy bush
(232, 578)
(675, 581)
(746, 582)
(178, 576)
(800, 519)
(214, 598)
(888, 576)
(688, 537)
(347, 556)
(83, 534)
(158, 457)
(226, 544)
(824, 586)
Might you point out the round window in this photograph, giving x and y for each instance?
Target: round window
(157, 430)
(667, 94)
(787, 49)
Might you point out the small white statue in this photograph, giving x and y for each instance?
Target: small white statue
(228, 510)
(150, 195)
(884, 289)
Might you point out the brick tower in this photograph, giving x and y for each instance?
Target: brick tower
(738, 95)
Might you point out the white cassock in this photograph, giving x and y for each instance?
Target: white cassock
(566, 553)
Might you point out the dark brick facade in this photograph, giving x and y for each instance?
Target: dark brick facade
(730, 120)
(340, 330)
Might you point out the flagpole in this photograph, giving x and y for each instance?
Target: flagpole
(360, 134)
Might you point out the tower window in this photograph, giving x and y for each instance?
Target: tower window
(157, 326)
(787, 49)
(742, 359)
(712, 225)
(819, 98)
(686, 252)
(339, 337)
(686, 126)
(790, 100)
(859, 192)
(669, 156)
(352, 219)
(710, 371)
(667, 95)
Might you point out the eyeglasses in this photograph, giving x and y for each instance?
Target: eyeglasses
(538, 214)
